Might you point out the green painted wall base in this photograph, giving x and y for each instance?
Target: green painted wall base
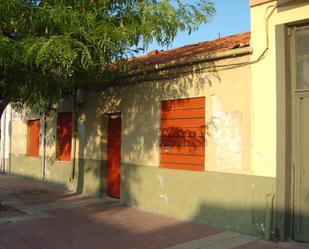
(89, 175)
(27, 166)
(229, 201)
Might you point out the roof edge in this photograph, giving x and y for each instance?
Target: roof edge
(196, 59)
(254, 3)
(137, 76)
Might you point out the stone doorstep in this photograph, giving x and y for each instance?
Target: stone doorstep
(30, 212)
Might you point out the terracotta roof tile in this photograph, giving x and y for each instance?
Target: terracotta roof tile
(207, 47)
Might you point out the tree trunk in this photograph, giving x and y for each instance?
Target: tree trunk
(3, 104)
(2, 108)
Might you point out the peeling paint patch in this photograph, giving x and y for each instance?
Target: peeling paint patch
(227, 135)
(164, 197)
(161, 180)
(261, 155)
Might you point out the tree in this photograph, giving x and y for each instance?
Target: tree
(48, 48)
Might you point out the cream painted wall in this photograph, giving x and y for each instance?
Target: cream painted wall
(264, 82)
(228, 101)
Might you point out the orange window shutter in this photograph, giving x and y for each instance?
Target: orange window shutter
(64, 137)
(183, 134)
(33, 137)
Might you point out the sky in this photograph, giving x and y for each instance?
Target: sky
(231, 17)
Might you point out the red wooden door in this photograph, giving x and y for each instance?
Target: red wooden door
(113, 157)
(64, 136)
(34, 137)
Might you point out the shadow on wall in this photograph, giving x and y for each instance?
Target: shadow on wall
(51, 137)
(139, 105)
(286, 5)
(91, 164)
(250, 221)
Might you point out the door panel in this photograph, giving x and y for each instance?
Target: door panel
(113, 157)
(301, 152)
(299, 41)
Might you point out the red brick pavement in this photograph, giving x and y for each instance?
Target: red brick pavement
(108, 225)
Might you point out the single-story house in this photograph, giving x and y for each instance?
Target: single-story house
(214, 132)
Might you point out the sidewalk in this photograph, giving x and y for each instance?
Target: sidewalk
(41, 216)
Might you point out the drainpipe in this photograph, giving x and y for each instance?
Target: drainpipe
(269, 232)
(3, 138)
(44, 147)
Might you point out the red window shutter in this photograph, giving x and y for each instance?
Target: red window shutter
(64, 136)
(183, 134)
(33, 137)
